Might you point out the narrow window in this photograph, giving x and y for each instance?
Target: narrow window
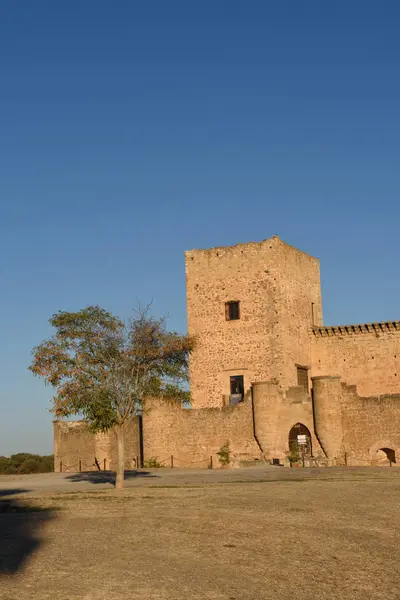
(302, 377)
(232, 311)
(237, 389)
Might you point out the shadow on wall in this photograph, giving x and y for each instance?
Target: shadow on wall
(106, 476)
(20, 529)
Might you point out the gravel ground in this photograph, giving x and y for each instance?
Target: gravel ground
(60, 482)
(227, 535)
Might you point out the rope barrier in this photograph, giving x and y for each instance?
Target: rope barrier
(343, 460)
(192, 462)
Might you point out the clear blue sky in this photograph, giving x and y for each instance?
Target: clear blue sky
(132, 131)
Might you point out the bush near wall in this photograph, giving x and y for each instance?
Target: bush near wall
(24, 463)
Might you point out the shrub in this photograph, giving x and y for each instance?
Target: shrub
(224, 454)
(152, 463)
(293, 456)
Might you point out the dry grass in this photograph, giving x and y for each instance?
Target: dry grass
(323, 537)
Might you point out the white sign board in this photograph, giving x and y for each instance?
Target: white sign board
(302, 439)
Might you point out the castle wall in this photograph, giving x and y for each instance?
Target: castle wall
(276, 412)
(358, 426)
(279, 292)
(369, 424)
(73, 442)
(193, 435)
(364, 355)
(328, 414)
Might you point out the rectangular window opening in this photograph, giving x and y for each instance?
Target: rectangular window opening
(232, 310)
(302, 378)
(237, 389)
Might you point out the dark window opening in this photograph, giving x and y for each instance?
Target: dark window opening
(237, 389)
(302, 378)
(232, 311)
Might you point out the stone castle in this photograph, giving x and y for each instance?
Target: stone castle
(266, 375)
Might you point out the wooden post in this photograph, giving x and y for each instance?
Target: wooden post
(137, 462)
(172, 462)
(60, 466)
(211, 462)
(105, 464)
(80, 466)
(345, 459)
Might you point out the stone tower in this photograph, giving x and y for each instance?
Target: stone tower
(251, 308)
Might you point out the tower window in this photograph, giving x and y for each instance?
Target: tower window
(302, 377)
(237, 389)
(232, 310)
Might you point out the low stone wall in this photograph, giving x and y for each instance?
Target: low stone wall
(345, 428)
(76, 448)
(193, 436)
(353, 428)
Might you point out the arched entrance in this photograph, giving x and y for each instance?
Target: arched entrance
(300, 440)
(385, 456)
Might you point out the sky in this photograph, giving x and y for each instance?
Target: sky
(133, 131)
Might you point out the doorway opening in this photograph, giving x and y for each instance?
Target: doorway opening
(300, 440)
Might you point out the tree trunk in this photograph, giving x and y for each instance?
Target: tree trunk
(119, 480)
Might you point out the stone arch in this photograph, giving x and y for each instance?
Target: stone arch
(294, 446)
(387, 447)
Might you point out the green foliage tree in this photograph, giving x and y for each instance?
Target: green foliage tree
(24, 462)
(30, 465)
(104, 369)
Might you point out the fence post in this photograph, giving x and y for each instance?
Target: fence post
(137, 462)
(61, 466)
(211, 462)
(80, 466)
(105, 464)
(172, 462)
(345, 459)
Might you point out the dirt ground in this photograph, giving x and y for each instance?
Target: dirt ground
(234, 535)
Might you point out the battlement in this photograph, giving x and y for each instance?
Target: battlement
(332, 330)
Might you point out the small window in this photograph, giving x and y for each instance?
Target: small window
(302, 377)
(237, 389)
(232, 311)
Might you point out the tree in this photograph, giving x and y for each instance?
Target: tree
(104, 369)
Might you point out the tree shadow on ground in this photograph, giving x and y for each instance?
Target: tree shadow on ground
(107, 476)
(20, 528)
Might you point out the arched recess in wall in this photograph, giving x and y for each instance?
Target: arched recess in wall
(300, 440)
(386, 455)
(384, 452)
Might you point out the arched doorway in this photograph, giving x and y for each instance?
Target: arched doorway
(300, 440)
(385, 456)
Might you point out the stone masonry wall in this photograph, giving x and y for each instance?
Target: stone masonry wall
(358, 426)
(364, 355)
(193, 435)
(276, 412)
(279, 292)
(369, 424)
(73, 443)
